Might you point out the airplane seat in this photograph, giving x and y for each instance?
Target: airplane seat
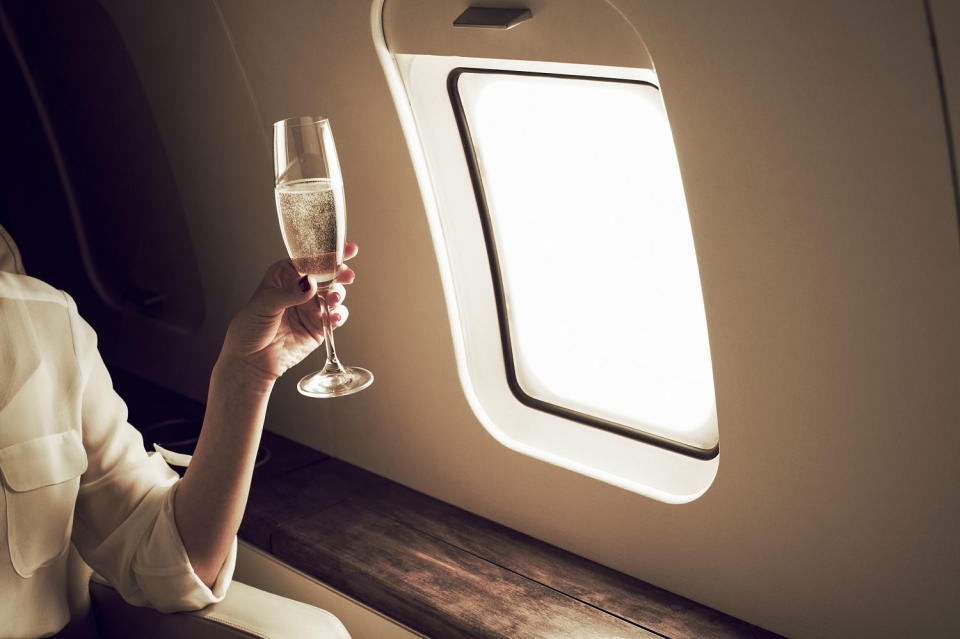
(99, 612)
(245, 612)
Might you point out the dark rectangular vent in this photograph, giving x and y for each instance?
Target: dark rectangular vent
(492, 17)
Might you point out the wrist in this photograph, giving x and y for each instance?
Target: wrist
(240, 376)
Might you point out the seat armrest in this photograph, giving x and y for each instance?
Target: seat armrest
(244, 613)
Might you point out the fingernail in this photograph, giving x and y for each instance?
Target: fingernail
(304, 284)
(335, 318)
(334, 298)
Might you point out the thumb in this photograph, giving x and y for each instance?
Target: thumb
(273, 301)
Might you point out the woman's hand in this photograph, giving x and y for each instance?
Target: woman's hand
(282, 322)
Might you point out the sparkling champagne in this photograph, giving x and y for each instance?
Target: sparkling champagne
(313, 225)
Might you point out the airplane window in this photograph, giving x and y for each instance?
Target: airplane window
(591, 252)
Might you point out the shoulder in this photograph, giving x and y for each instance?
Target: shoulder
(37, 335)
(14, 286)
(39, 316)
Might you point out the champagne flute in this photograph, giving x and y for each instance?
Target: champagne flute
(310, 204)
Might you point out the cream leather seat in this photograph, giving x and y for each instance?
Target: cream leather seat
(245, 612)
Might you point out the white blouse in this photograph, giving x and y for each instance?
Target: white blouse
(73, 469)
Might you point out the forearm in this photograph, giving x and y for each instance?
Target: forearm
(211, 497)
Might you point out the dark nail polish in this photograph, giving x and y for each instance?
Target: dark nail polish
(304, 284)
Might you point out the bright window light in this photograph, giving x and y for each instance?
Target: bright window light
(600, 288)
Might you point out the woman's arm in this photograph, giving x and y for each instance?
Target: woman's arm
(211, 497)
(273, 332)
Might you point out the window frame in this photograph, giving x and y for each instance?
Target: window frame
(486, 224)
(417, 84)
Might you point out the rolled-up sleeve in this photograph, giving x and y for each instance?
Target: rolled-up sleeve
(124, 525)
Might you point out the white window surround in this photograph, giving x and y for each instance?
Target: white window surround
(419, 87)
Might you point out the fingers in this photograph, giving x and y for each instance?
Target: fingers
(346, 275)
(338, 316)
(338, 312)
(269, 301)
(350, 250)
(336, 294)
(279, 274)
(282, 286)
(311, 316)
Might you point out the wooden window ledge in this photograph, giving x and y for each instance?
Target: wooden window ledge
(444, 571)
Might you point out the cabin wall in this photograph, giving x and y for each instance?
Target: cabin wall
(814, 157)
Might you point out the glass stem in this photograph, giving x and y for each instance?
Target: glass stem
(333, 365)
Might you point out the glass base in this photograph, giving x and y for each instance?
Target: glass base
(352, 380)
